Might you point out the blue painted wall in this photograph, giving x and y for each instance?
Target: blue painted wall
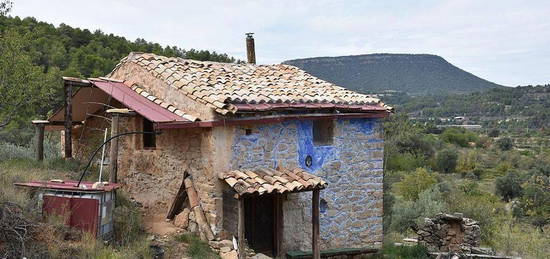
(352, 166)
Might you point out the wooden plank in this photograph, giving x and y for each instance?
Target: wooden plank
(332, 252)
(278, 240)
(68, 93)
(113, 152)
(39, 141)
(240, 229)
(197, 209)
(315, 225)
(179, 199)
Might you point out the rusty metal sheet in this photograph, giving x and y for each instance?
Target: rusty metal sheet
(70, 185)
(85, 214)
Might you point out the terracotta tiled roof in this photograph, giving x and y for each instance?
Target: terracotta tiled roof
(220, 85)
(264, 180)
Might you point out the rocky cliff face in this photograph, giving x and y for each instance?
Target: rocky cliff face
(411, 73)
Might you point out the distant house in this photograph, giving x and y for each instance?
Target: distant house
(242, 146)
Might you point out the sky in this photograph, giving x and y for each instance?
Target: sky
(507, 42)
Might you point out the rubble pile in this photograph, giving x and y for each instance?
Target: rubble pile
(450, 233)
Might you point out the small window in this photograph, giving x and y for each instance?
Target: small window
(149, 140)
(323, 132)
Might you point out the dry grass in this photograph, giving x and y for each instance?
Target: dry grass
(52, 239)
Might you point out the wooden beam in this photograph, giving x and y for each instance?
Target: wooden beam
(279, 219)
(240, 227)
(113, 152)
(315, 225)
(179, 200)
(68, 93)
(39, 139)
(267, 119)
(195, 205)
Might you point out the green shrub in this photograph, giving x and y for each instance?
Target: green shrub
(509, 186)
(477, 204)
(458, 136)
(414, 183)
(9, 151)
(410, 214)
(521, 240)
(535, 201)
(493, 133)
(390, 250)
(197, 249)
(505, 143)
(127, 221)
(446, 160)
(404, 162)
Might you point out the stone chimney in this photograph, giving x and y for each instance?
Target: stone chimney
(250, 51)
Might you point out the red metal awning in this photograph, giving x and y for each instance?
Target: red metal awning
(138, 103)
(87, 100)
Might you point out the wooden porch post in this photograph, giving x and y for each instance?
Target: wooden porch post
(39, 138)
(113, 152)
(240, 226)
(68, 94)
(315, 225)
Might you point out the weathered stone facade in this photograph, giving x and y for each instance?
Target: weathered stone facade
(351, 206)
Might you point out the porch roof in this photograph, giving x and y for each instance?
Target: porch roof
(265, 180)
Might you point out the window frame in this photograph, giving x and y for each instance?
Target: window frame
(323, 132)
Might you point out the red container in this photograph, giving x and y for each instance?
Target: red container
(87, 207)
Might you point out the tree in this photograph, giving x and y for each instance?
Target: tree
(505, 143)
(446, 160)
(509, 186)
(493, 133)
(5, 7)
(535, 201)
(410, 214)
(22, 83)
(414, 183)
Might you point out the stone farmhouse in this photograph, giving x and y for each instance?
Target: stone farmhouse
(263, 153)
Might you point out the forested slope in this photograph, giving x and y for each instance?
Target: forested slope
(411, 73)
(35, 55)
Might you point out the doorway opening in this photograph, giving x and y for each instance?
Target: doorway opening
(263, 223)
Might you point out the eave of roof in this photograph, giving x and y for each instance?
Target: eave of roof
(265, 180)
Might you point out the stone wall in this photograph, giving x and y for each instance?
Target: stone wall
(351, 206)
(153, 176)
(449, 233)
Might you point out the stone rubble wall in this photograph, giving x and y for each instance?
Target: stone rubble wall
(153, 177)
(449, 233)
(351, 206)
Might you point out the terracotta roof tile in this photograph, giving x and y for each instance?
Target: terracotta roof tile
(265, 180)
(215, 84)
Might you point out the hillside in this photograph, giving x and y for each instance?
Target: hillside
(411, 73)
(520, 107)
